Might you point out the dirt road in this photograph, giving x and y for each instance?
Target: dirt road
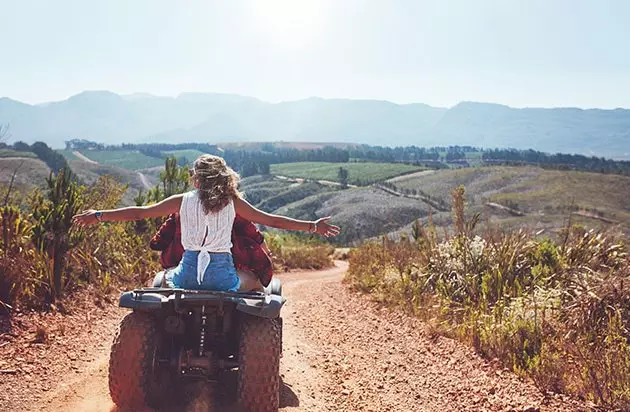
(342, 353)
(83, 157)
(144, 180)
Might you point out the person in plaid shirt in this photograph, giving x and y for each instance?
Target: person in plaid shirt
(252, 258)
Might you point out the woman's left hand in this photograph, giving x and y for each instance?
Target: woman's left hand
(326, 229)
(86, 218)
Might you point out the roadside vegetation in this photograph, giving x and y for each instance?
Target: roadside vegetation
(555, 311)
(299, 252)
(44, 258)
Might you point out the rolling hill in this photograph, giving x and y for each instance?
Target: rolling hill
(113, 119)
(510, 197)
(530, 197)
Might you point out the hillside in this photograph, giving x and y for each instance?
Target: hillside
(545, 198)
(114, 119)
(89, 172)
(31, 172)
(511, 197)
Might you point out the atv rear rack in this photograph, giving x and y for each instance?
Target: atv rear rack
(253, 303)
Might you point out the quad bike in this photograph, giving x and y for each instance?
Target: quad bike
(176, 335)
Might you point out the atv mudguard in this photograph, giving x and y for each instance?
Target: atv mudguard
(258, 304)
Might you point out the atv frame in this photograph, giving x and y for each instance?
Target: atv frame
(174, 335)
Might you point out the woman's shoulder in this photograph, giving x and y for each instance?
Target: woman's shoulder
(191, 194)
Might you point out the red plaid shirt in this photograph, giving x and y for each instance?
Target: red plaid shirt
(247, 250)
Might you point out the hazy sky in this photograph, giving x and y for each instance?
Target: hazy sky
(440, 52)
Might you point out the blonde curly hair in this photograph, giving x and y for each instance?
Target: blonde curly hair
(216, 182)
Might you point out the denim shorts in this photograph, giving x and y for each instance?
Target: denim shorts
(220, 274)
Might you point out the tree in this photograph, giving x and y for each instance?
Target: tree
(249, 169)
(21, 147)
(52, 232)
(263, 167)
(140, 200)
(174, 178)
(54, 160)
(342, 175)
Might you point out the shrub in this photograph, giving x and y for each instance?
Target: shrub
(558, 312)
(298, 252)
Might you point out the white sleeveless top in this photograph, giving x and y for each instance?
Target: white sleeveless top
(207, 233)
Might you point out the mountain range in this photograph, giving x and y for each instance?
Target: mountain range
(210, 117)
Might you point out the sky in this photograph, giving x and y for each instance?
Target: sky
(522, 53)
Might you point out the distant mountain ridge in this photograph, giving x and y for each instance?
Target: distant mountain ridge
(211, 117)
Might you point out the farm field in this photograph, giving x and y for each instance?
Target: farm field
(358, 173)
(127, 159)
(7, 153)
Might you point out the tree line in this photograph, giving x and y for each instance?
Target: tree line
(556, 161)
(54, 160)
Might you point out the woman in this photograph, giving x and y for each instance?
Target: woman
(249, 251)
(207, 215)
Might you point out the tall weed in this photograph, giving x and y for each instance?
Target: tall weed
(557, 312)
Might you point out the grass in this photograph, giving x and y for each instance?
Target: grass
(30, 172)
(358, 173)
(89, 173)
(543, 195)
(299, 252)
(68, 154)
(361, 213)
(126, 159)
(257, 189)
(7, 153)
(557, 312)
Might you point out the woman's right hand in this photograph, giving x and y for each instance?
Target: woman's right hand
(326, 229)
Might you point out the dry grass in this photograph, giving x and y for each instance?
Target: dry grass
(558, 312)
(293, 252)
(362, 212)
(543, 195)
(30, 172)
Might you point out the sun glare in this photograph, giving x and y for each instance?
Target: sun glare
(289, 22)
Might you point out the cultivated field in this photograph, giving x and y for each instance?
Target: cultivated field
(127, 159)
(358, 173)
(5, 153)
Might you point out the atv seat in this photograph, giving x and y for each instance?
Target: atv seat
(274, 287)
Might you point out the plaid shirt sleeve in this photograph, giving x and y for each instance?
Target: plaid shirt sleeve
(165, 234)
(243, 227)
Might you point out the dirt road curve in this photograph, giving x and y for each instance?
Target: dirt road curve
(83, 157)
(344, 353)
(144, 180)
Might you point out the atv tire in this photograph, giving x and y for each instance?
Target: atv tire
(259, 362)
(135, 381)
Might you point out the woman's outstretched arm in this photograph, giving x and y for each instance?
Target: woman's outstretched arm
(163, 208)
(320, 226)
